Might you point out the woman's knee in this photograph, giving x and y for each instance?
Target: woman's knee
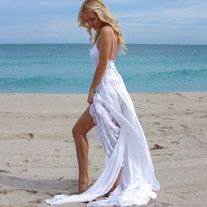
(76, 131)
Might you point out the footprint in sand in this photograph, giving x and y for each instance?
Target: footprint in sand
(4, 171)
(167, 127)
(4, 191)
(28, 135)
(50, 194)
(26, 161)
(164, 133)
(179, 94)
(163, 204)
(38, 200)
(164, 130)
(188, 111)
(201, 97)
(185, 127)
(158, 123)
(32, 191)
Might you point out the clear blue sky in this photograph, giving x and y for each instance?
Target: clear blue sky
(141, 21)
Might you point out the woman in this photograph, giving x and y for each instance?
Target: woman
(128, 177)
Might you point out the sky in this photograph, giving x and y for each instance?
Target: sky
(141, 21)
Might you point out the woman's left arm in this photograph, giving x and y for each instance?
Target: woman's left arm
(105, 40)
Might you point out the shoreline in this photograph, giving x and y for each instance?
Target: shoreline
(38, 157)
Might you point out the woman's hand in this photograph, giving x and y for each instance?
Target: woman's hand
(90, 96)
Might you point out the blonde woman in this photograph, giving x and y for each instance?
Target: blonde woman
(128, 177)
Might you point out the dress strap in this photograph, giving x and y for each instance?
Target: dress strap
(97, 39)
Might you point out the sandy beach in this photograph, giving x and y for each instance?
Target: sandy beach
(38, 157)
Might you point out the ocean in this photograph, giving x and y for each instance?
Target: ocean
(67, 68)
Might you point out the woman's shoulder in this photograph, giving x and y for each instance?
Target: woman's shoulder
(106, 30)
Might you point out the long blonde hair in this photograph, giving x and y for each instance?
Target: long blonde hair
(104, 14)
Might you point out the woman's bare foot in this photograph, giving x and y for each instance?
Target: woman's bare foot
(112, 189)
(83, 185)
(107, 194)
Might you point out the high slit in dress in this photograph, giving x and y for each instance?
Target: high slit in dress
(119, 131)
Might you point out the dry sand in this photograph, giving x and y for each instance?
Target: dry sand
(38, 157)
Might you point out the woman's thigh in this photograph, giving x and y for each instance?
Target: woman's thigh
(84, 123)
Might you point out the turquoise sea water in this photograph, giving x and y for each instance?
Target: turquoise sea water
(67, 68)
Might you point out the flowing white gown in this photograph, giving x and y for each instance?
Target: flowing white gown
(119, 132)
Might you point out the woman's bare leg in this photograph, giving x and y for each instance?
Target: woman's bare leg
(117, 180)
(115, 184)
(79, 131)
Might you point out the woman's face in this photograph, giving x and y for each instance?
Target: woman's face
(92, 20)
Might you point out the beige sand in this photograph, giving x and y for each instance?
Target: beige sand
(38, 157)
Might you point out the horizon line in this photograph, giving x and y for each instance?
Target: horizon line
(37, 43)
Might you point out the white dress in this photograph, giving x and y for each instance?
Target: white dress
(119, 132)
